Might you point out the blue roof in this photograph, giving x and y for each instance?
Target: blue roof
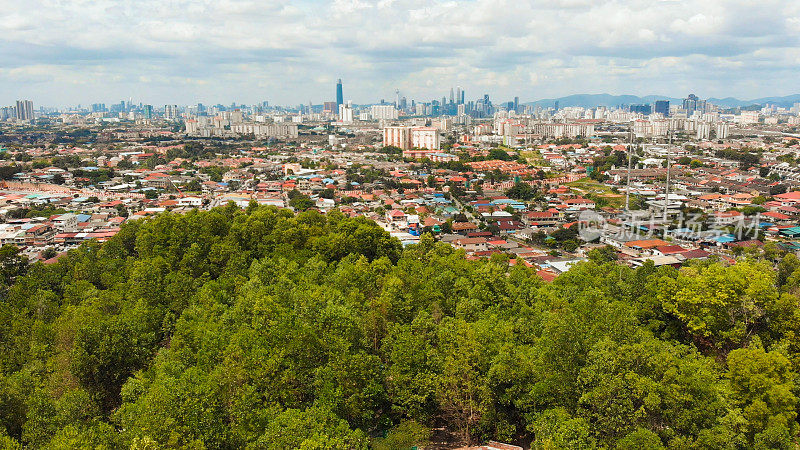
(506, 201)
(793, 231)
(83, 217)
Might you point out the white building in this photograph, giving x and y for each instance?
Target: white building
(748, 117)
(170, 112)
(425, 137)
(412, 137)
(397, 136)
(723, 130)
(384, 112)
(346, 113)
(703, 130)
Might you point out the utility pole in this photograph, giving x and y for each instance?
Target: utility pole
(628, 182)
(666, 194)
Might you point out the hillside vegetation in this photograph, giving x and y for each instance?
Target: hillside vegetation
(260, 329)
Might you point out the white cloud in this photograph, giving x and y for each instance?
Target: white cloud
(291, 51)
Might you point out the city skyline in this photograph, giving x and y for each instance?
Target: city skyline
(187, 52)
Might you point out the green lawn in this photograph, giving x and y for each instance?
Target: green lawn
(595, 190)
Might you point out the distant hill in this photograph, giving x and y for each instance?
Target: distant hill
(785, 101)
(608, 100)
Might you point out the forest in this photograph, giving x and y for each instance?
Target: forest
(263, 329)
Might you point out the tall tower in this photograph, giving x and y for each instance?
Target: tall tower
(339, 94)
(24, 110)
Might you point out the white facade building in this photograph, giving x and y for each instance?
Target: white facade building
(346, 113)
(425, 137)
(384, 112)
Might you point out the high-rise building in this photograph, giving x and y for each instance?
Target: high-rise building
(330, 107)
(384, 112)
(339, 94)
(147, 111)
(398, 137)
(703, 130)
(459, 95)
(692, 103)
(452, 96)
(516, 104)
(425, 137)
(170, 112)
(723, 130)
(24, 110)
(662, 107)
(346, 113)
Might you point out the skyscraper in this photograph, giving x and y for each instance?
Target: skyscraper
(459, 93)
(662, 107)
(24, 110)
(693, 103)
(170, 112)
(452, 96)
(147, 111)
(339, 94)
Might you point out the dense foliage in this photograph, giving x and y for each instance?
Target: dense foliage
(260, 329)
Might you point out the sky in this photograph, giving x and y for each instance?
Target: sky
(66, 52)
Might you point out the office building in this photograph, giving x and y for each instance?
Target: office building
(330, 107)
(692, 103)
(662, 107)
(339, 94)
(24, 110)
(170, 112)
(147, 112)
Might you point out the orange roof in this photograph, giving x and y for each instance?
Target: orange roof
(646, 243)
(547, 275)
